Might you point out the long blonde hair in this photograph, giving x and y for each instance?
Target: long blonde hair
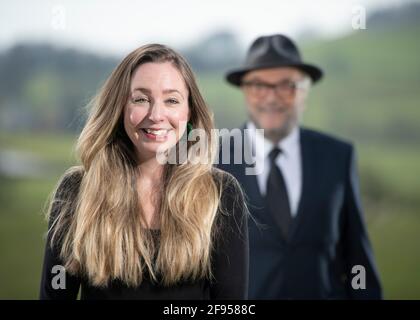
(98, 222)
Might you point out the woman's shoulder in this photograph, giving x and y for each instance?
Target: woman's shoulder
(233, 207)
(64, 195)
(69, 182)
(231, 190)
(224, 178)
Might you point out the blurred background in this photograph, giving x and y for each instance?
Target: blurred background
(54, 55)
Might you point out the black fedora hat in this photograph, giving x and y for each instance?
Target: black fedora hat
(271, 52)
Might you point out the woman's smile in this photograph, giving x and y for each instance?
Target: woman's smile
(158, 135)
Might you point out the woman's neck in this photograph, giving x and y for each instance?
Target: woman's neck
(150, 169)
(148, 188)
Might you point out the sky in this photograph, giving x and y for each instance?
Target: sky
(117, 27)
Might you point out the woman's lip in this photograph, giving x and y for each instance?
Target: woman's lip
(156, 129)
(154, 137)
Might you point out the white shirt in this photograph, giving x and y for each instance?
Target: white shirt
(289, 162)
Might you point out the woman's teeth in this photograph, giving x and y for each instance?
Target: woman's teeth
(161, 132)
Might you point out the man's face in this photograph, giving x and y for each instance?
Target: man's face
(275, 99)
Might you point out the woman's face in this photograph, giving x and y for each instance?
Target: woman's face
(157, 110)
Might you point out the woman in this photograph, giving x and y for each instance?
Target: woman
(126, 225)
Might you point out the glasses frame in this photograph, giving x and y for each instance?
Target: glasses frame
(285, 88)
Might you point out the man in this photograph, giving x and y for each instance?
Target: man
(308, 238)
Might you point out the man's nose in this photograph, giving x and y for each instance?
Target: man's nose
(270, 96)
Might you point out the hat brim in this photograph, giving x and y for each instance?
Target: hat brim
(235, 76)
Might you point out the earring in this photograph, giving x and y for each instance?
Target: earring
(189, 127)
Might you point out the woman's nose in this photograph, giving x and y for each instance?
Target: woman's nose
(157, 112)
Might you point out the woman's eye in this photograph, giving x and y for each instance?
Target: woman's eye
(140, 100)
(172, 101)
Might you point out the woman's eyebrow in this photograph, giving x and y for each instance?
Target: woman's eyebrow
(172, 91)
(148, 91)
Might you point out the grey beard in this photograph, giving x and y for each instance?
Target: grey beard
(278, 134)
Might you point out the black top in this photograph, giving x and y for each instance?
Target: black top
(229, 261)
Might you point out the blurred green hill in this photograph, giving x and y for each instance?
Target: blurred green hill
(370, 95)
(45, 88)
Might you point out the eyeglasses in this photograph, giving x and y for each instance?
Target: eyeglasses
(285, 88)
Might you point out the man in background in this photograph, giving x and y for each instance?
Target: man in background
(308, 238)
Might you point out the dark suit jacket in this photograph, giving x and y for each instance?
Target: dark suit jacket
(328, 235)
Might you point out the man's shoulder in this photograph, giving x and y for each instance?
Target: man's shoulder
(326, 140)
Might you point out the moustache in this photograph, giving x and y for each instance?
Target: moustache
(272, 108)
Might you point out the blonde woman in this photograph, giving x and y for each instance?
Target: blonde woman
(124, 224)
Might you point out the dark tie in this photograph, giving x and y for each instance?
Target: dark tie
(277, 201)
